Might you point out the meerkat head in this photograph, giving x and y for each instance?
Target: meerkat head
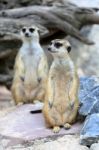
(29, 33)
(59, 47)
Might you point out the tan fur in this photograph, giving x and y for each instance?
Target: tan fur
(61, 105)
(30, 72)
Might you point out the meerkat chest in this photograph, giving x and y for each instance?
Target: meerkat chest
(31, 61)
(62, 71)
(62, 76)
(31, 55)
(62, 80)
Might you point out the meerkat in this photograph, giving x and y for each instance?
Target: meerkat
(31, 68)
(61, 105)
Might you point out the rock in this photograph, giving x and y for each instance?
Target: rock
(1, 147)
(4, 143)
(19, 123)
(90, 131)
(5, 99)
(86, 56)
(95, 146)
(89, 95)
(85, 3)
(68, 142)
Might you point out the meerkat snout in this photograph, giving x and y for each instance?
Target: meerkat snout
(27, 32)
(49, 49)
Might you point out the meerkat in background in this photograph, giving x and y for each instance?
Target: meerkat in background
(31, 68)
(61, 105)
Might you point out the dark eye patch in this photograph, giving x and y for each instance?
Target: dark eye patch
(31, 30)
(69, 49)
(24, 30)
(58, 45)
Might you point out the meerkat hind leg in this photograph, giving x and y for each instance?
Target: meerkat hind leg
(56, 129)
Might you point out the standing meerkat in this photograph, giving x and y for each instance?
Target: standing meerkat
(31, 68)
(61, 105)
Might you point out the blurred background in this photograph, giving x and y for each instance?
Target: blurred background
(17, 13)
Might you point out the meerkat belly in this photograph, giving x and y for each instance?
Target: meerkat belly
(31, 71)
(62, 84)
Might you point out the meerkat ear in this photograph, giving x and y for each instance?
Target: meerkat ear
(69, 49)
(39, 31)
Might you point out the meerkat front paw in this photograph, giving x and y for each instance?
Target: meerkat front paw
(36, 101)
(56, 129)
(20, 103)
(67, 126)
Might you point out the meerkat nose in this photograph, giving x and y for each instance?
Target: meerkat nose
(49, 49)
(27, 34)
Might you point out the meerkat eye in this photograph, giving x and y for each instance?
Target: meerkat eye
(69, 49)
(58, 45)
(24, 30)
(31, 30)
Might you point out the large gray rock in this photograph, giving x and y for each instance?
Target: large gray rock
(90, 131)
(95, 146)
(85, 3)
(19, 123)
(87, 57)
(67, 142)
(89, 106)
(89, 95)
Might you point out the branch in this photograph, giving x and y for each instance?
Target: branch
(63, 18)
(55, 21)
